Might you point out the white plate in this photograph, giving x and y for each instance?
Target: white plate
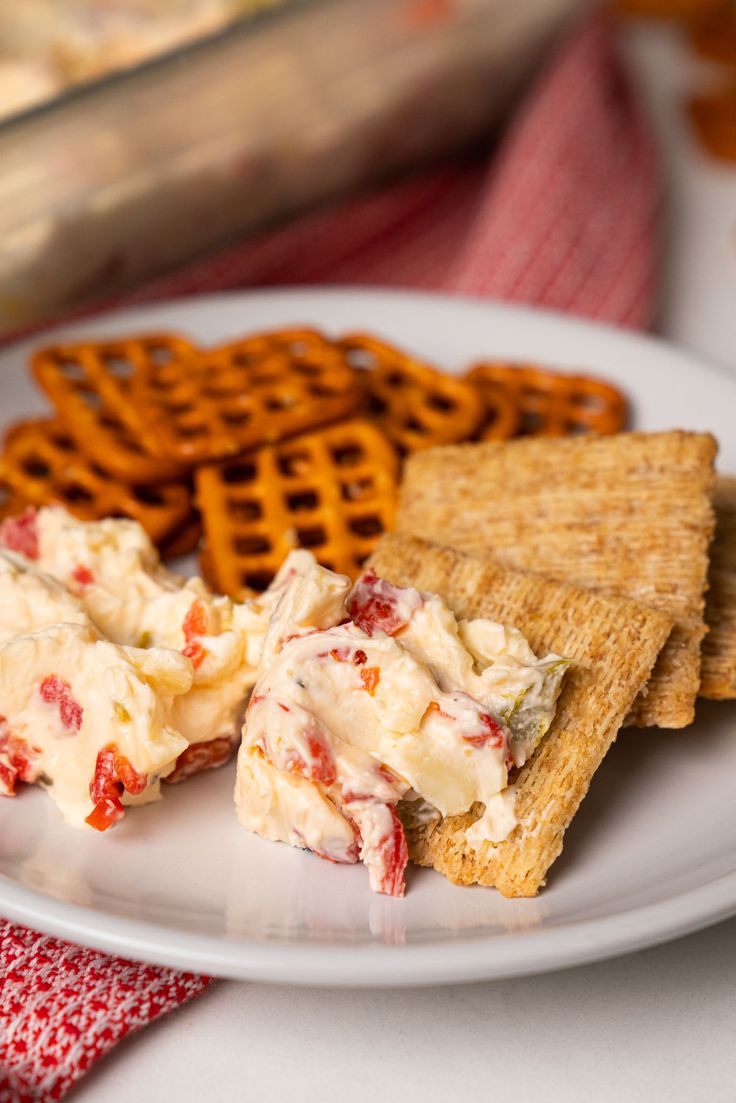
(651, 855)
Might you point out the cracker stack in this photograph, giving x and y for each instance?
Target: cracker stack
(628, 515)
(613, 644)
(718, 676)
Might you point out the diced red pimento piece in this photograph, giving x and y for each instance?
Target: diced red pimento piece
(132, 781)
(83, 575)
(374, 605)
(113, 776)
(202, 756)
(22, 755)
(195, 652)
(386, 856)
(394, 855)
(20, 534)
(349, 796)
(370, 676)
(342, 655)
(195, 622)
(491, 733)
(8, 776)
(55, 690)
(105, 813)
(321, 766)
(17, 760)
(435, 707)
(195, 625)
(388, 775)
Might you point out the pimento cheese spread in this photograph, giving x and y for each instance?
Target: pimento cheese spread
(374, 703)
(112, 667)
(114, 570)
(90, 720)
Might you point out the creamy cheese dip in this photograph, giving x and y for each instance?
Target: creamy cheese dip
(114, 672)
(88, 719)
(114, 571)
(370, 695)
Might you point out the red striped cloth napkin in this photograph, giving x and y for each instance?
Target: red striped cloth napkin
(565, 216)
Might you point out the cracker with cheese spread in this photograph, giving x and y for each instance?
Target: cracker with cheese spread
(612, 643)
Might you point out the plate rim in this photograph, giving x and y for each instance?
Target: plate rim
(493, 956)
(482, 958)
(87, 323)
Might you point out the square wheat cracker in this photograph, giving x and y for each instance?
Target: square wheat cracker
(613, 644)
(629, 515)
(718, 674)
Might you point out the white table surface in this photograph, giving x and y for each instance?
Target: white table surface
(657, 1025)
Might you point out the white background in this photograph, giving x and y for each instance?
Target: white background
(655, 1025)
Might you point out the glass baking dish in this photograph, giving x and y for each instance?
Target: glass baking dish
(122, 179)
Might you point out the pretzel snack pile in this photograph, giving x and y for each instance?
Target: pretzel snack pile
(278, 440)
(710, 28)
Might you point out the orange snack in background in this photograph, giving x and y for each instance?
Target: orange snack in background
(714, 119)
(668, 9)
(714, 35)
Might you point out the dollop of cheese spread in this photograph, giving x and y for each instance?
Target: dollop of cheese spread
(71, 701)
(114, 570)
(370, 695)
(142, 663)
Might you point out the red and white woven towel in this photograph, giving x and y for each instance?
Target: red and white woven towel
(565, 216)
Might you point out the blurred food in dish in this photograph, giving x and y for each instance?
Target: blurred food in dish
(46, 46)
(128, 176)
